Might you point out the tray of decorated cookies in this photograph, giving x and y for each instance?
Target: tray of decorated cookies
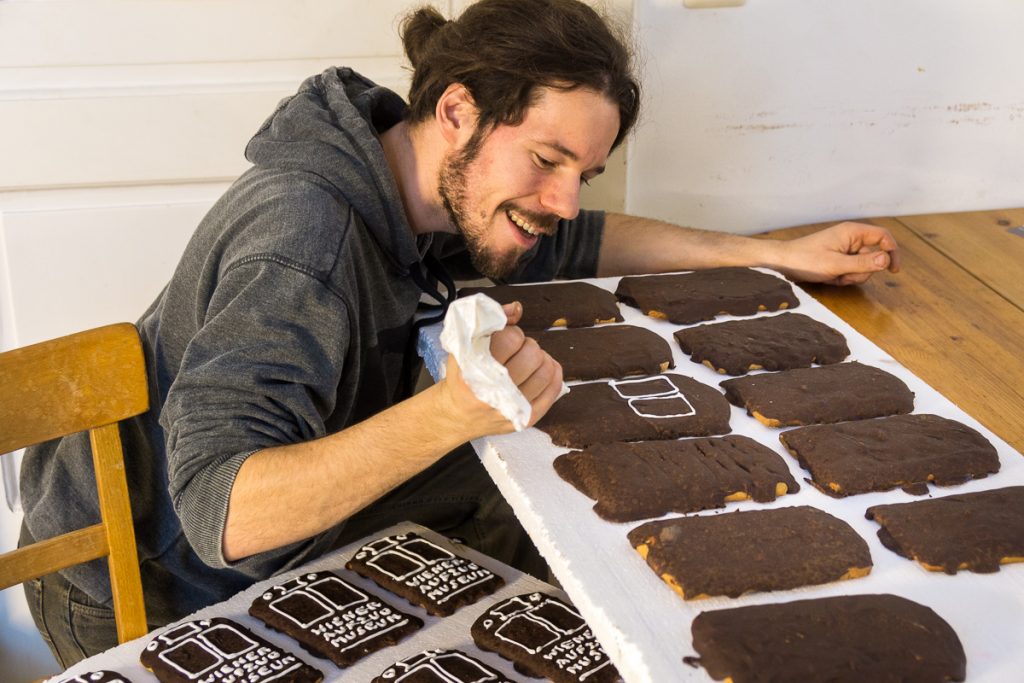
(740, 486)
(406, 605)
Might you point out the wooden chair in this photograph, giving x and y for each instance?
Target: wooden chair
(86, 381)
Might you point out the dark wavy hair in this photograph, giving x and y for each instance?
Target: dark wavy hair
(503, 51)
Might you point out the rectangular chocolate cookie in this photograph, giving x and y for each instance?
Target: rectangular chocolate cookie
(845, 639)
(644, 409)
(973, 531)
(218, 650)
(440, 666)
(904, 451)
(612, 351)
(780, 342)
(544, 638)
(332, 618)
(830, 393)
(555, 304)
(424, 573)
(686, 298)
(632, 481)
(759, 550)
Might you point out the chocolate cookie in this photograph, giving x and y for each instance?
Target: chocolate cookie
(760, 550)
(972, 531)
(218, 650)
(441, 666)
(332, 618)
(424, 573)
(632, 481)
(901, 451)
(98, 677)
(555, 304)
(686, 298)
(544, 638)
(845, 639)
(830, 393)
(613, 351)
(644, 409)
(780, 342)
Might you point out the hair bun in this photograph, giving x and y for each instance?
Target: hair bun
(417, 30)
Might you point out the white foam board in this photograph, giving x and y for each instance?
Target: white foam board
(645, 626)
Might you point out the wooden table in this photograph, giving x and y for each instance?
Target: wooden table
(954, 315)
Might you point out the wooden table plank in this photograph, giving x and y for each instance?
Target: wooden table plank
(945, 325)
(982, 243)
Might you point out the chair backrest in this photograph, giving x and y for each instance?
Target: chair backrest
(85, 381)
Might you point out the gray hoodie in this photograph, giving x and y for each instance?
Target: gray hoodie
(288, 318)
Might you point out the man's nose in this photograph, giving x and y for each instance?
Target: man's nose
(561, 196)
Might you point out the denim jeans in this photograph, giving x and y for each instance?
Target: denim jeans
(72, 624)
(454, 497)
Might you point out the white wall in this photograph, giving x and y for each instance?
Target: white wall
(784, 112)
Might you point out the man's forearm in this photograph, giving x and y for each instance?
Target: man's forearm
(288, 493)
(643, 245)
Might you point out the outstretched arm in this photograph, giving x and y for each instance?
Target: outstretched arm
(844, 254)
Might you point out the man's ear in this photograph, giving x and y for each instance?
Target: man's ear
(456, 115)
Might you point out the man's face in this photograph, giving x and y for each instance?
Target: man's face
(504, 189)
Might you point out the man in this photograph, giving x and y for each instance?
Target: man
(280, 354)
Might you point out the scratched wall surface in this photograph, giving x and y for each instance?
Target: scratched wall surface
(793, 111)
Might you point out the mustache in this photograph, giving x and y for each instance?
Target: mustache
(546, 222)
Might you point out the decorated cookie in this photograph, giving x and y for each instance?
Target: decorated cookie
(613, 351)
(632, 481)
(905, 451)
(98, 677)
(641, 409)
(758, 550)
(440, 666)
(826, 394)
(544, 638)
(969, 531)
(556, 304)
(845, 639)
(779, 342)
(686, 298)
(332, 618)
(218, 650)
(424, 573)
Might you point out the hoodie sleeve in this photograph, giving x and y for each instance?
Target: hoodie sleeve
(262, 371)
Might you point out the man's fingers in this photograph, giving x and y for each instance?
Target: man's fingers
(506, 343)
(514, 312)
(537, 383)
(548, 396)
(525, 361)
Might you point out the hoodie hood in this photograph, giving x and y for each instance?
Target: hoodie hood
(331, 128)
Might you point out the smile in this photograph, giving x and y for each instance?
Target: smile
(523, 224)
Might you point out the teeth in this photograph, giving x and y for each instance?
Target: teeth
(524, 224)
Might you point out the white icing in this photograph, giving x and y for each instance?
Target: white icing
(254, 663)
(573, 650)
(342, 626)
(435, 661)
(439, 578)
(667, 391)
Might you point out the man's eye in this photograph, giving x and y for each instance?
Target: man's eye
(543, 163)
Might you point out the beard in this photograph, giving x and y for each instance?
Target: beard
(453, 187)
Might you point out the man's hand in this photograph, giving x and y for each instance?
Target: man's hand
(845, 254)
(537, 374)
